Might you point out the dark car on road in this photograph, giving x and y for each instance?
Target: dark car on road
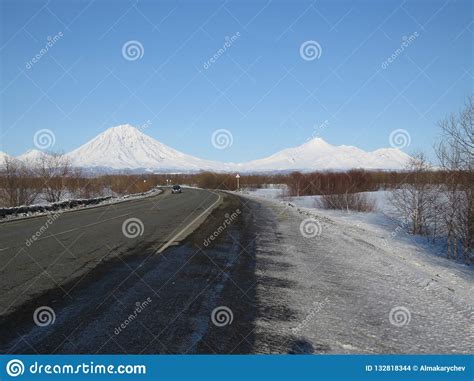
(176, 189)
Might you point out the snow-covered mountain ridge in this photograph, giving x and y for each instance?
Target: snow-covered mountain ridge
(126, 147)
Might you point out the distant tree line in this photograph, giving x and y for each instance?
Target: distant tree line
(436, 202)
(55, 178)
(52, 178)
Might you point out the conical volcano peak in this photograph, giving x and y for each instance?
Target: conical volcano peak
(317, 143)
(123, 129)
(127, 147)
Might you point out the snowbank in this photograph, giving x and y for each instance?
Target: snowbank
(384, 222)
(35, 210)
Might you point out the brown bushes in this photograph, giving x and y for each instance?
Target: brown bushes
(321, 183)
(358, 202)
(17, 185)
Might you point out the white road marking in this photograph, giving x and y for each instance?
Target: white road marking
(165, 246)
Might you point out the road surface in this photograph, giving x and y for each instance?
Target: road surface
(77, 241)
(262, 284)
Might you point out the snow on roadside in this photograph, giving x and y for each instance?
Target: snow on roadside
(358, 278)
(43, 209)
(380, 228)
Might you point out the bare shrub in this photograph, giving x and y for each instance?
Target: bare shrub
(359, 202)
(456, 155)
(54, 170)
(441, 203)
(320, 183)
(80, 186)
(415, 200)
(211, 180)
(16, 184)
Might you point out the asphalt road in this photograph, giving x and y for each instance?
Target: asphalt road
(152, 302)
(77, 241)
(259, 286)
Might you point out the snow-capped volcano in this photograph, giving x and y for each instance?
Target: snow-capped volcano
(316, 154)
(126, 147)
(31, 156)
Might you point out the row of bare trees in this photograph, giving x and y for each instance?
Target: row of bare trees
(52, 178)
(16, 187)
(456, 155)
(444, 209)
(21, 182)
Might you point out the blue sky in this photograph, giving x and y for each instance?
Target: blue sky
(260, 89)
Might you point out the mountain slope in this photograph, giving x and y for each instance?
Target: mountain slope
(316, 154)
(3, 156)
(31, 156)
(125, 147)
